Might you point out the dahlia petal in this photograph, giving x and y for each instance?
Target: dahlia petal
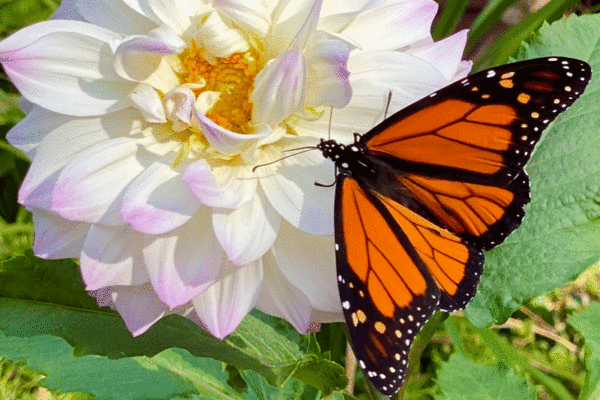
(222, 306)
(31, 130)
(279, 88)
(89, 187)
(111, 256)
(445, 54)
(139, 307)
(175, 13)
(140, 59)
(54, 62)
(158, 201)
(413, 16)
(327, 79)
(280, 298)
(222, 140)
(116, 16)
(247, 232)
(184, 262)
(179, 103)
(293, 25)
(250, 15)
(318, 282)
(56, 237)
(293, 193)
(233, 193)
(68, 9)
(149, 103)
(66, 137)
(219, 39)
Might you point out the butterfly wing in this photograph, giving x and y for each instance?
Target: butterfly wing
(461, 151)
(394, 266)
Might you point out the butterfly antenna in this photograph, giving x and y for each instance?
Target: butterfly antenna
(387, 106)
(299, 149)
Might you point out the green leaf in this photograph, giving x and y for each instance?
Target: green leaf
(462, 379)
(508, 44)
(487, 17)
(16, 14)
(46, 297)
(451, 15)
(560, 235)
(162, 376)
(587, 322)
(10, 113)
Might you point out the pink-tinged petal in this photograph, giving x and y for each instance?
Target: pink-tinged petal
(68, 10)
(218, 38)
(294, 248)
(115, 16)
(293, 193)
(250, 15)
(66, 137)
(393, 25)
(158, 200)
(111, 256)
(149, 103)
(294, 22)
(139, 307)
(54, 62)
(464, 69)
(279, 88)
(232, 193)
(222, 140)
(248, 232)
(56, 237)
(222, 306)
(327, 66)
(280, 298)
(179, 104)
(141, 59)
(90, 187)
(185, 262)
(445, 55)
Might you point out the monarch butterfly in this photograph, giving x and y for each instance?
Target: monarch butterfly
(421, 194)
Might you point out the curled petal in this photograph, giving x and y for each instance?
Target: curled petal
(279, 88)
(223, 305)
(222, 140)
(250, 15)
(231, 193)
(247, 232)
(148, 102)
(140, 59)
(328, 77)
(111, 256)
(179, 103)
(175, 13)
(294, 22)
(184, 262)
(54, 62)
(219, 39)
(158, 201)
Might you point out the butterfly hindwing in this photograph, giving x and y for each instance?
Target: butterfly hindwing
(393, 268)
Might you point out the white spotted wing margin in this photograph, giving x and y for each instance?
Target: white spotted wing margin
(383, 312)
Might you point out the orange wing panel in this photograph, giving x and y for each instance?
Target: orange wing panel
(462, 207)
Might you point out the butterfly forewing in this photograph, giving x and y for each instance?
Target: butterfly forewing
(393, 266)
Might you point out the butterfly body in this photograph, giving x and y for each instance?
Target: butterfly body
(421, 194)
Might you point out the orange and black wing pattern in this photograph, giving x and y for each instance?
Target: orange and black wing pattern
(461, 151)
(394, 268)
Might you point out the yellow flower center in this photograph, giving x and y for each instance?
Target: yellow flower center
(232, 77)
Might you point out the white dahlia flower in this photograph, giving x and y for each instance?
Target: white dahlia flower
(145, 119)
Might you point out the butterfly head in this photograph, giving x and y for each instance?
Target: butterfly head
(347, 158)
